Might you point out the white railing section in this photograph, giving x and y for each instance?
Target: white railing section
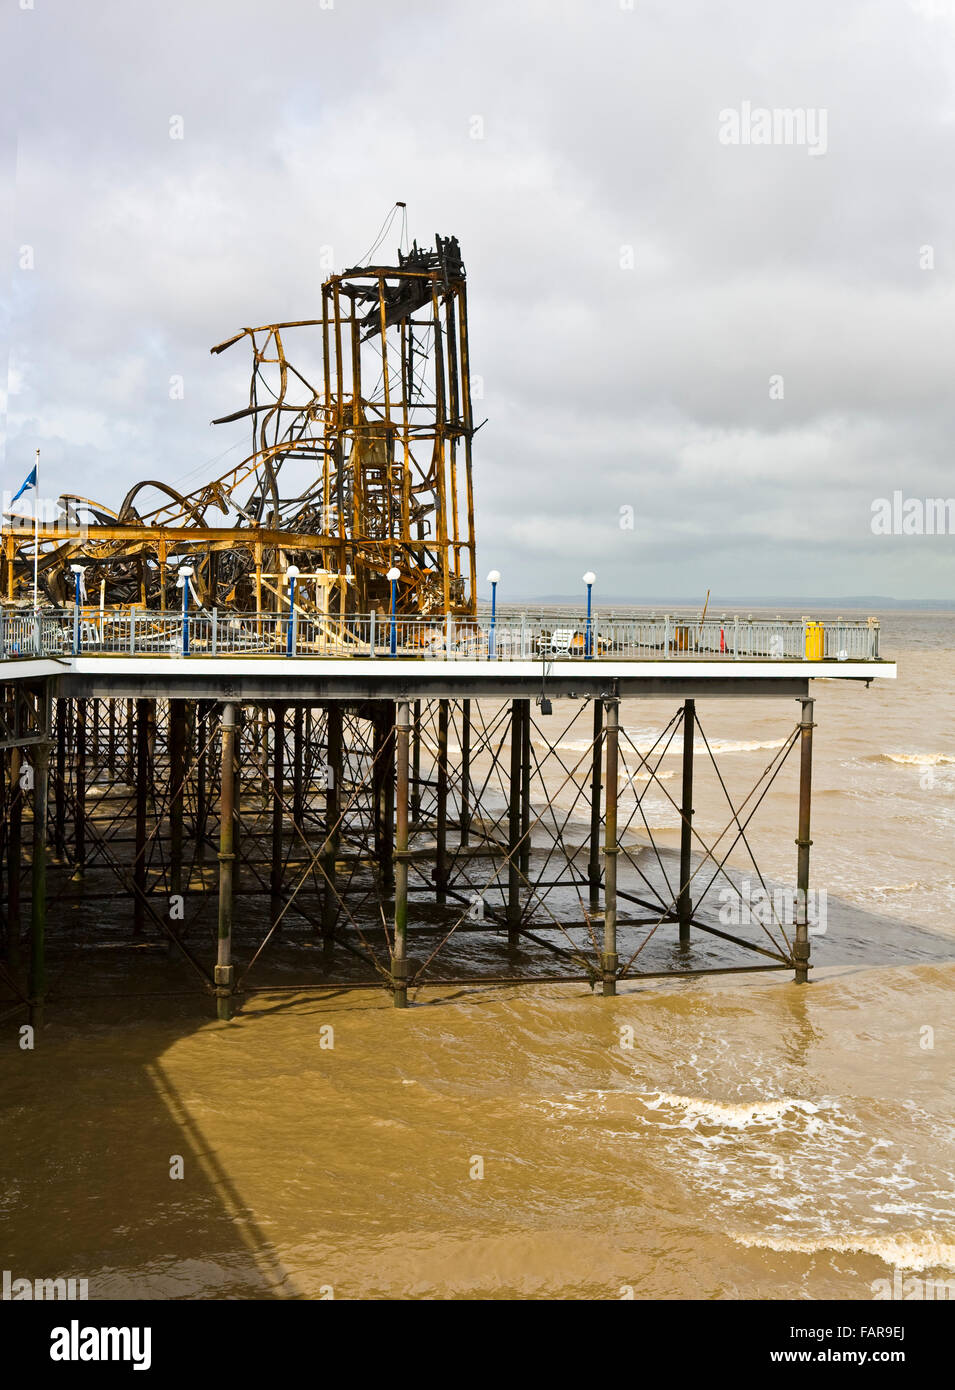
(560, 636)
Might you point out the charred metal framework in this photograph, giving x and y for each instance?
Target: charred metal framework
(361, 463)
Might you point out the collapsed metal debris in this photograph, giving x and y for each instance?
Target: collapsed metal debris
(358, 466)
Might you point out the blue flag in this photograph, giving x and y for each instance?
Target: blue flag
(30, 482)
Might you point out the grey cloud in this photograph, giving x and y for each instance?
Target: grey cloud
(603, 387)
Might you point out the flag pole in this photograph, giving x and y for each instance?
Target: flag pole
(36, 538)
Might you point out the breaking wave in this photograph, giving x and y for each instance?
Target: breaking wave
(644, 745)
(729, 1116)
(917, 759)
(915, 1250)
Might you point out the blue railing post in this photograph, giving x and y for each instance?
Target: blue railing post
(589, 580)
(493, 579)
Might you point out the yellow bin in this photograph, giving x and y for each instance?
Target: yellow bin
(815, 641)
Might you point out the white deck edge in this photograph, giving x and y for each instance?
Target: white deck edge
(26, 668)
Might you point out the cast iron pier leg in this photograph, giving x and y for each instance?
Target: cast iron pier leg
(37, 985)
(14, 865)
(441, 864)
(514, 828)
(609, 961)
(334, 772)
(142, 790)
(278, 793)
(399, 960)
(593, 867)
(224, 968)
(465, 817)
(803, 842)
(79, 791)
(685, 902)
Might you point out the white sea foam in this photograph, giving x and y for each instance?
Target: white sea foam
(745, 745)
(645, 745)
(919, 759)
(904, 1250)
(584, 745)
(731, 1116)
(811, 1175)
(695, 1110)
(569, 745)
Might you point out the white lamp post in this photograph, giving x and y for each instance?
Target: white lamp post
(394, 575)
(77, 590)
(293, 572)
(182, 582)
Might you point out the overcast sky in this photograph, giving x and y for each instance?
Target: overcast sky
(641, 291)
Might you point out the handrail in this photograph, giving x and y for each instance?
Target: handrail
(136, 632)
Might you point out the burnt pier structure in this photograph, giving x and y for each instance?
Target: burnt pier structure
(264, 731)
(397, 823)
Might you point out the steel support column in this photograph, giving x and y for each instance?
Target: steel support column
(298, 761)
(111, 738)
(465, 794)
(14, 852)
(609, 958)
(596, 778)
(333, 785)
(37, 982)
(415, 811)
(441, 829)
(399, 959)
(79, 790)
(515, 782)
(141, 792)
(224, 971)
(525, 854)
(684, 901)
(803, 843)
(278, 792)
(177, 778)
(59, 779)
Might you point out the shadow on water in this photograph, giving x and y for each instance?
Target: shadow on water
(95, 1118)
(96, 1130)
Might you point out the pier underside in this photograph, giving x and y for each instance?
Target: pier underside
(454, 832)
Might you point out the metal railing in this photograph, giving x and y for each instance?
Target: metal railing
(136, 632)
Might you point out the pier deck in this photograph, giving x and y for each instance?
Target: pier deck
(391, 808)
